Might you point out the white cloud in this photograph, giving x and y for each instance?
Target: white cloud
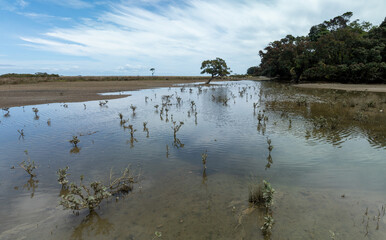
(176, 38)
(22, 3)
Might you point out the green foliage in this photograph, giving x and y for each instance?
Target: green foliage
(336, 50)
(268, 225)
(216, 68)
(254, 71)
(62, 176)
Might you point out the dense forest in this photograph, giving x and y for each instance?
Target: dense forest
(338, 50)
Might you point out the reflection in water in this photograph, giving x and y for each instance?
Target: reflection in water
(75, 150)
(31, 185)
(92, 226)
(306, 161)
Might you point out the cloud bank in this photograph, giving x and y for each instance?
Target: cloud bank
(176, 38)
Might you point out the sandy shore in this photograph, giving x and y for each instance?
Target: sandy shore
(346, 87)
(54, 92)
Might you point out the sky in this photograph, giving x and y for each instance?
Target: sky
(128, 37)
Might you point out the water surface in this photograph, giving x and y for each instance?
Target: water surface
(330, 180)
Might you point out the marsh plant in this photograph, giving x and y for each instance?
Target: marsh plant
(203, 157)
(133, 108)
(7, 114)
(35, 110)
(28, 165)
(132, 130)
(81, 196)
(145, 129)
(21, 132)
(103, 103)
(267, 226)
(270, 147)
(62, 176)
(260, 117)
(176, 128)
(74, 141)
(261, 194)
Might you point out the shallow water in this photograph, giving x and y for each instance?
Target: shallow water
(325, 177)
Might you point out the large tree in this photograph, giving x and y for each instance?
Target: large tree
(216, 68)
(336, 50)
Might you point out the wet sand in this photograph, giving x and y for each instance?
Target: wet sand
(346, 87)
(54, 92)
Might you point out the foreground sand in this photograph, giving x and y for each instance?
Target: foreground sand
(346, 87)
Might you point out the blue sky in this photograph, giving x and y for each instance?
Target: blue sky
(117, 37)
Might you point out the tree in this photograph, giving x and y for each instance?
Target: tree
(152, 70)
(254, 71)
(216, 67)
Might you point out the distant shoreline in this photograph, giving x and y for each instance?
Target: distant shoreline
(345, 87)
(80, 89)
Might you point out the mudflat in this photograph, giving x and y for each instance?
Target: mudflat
(12, 95)
(346, 87)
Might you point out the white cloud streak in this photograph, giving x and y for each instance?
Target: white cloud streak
(177, 38)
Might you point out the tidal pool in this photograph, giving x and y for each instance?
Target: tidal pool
(327, 164)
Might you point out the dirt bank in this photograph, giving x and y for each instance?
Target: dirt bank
(346, 87)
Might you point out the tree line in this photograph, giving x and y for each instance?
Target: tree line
(338, 50)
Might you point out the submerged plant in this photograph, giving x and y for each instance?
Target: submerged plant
(75, 140)
(145, 129)
(28, 166)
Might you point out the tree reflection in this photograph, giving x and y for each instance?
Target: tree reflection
(91, 226)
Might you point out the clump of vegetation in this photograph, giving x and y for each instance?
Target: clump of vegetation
(120, 116)
(261, 194)
(89, 197)
(74, 141)
(28, 165)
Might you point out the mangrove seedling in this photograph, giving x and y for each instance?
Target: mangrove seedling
(260, 117)
(103, 103)
(35, 110)
(133, 108)
(270, 147)
(28, 166)
(49, 122)
(145, 129)
(176, 128)
(167, 151)
(74, 141)
(132, 130)
(21, 132)
(7, 114)
(120, 116)
(267, 226)
(203, 157)
(62, 176)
